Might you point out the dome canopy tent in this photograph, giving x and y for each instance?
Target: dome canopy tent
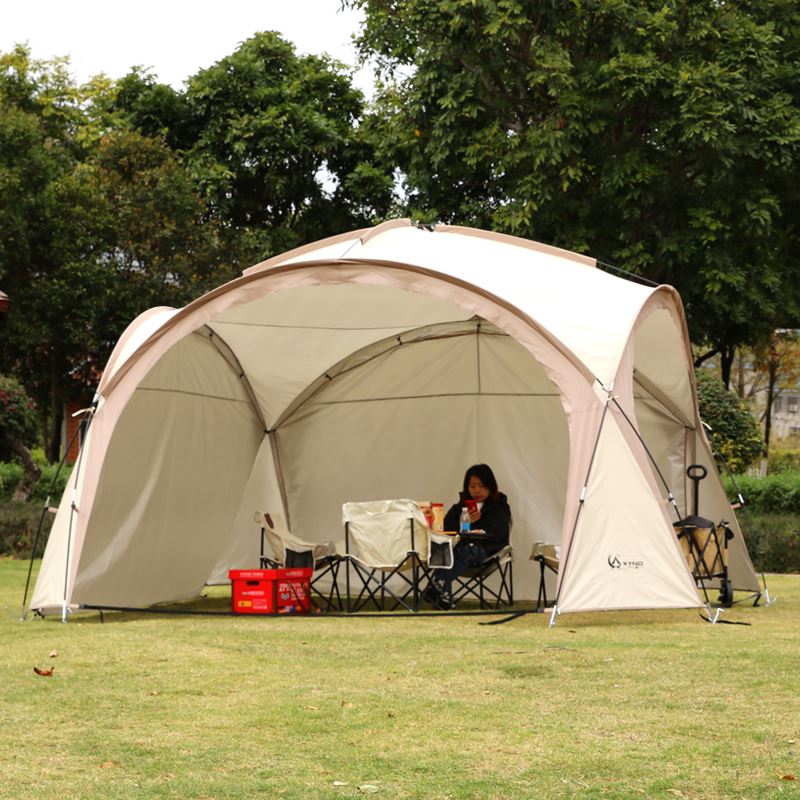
(381, 363)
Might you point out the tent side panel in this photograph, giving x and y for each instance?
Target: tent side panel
(48, 593)
(623, 554)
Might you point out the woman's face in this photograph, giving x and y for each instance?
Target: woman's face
(477, 491)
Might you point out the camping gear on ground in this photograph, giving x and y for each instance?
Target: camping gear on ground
(705, 544)
(323, 558)
(386, 544)
(270, 591)
(379, 362)
(548, 556)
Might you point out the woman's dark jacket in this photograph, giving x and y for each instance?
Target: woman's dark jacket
(495, 519)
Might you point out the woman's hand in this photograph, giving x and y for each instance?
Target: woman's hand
(474, 515)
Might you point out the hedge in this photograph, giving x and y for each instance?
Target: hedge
(773, 540)
(18, 525)
(11, 474)
(774, 494)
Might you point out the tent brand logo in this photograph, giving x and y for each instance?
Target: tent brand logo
(615, 562)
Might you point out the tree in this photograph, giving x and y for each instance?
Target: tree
(662, 137)
(273, 142)
(776, 366)
(17, 431)
(734, 431)
(40, 116)
(104, 224)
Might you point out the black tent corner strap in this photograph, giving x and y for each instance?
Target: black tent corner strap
(723, 621)
(509, 615)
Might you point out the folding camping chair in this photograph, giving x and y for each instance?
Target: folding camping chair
(290, 552)
(549, 558)
(473, 582)
(386, 542)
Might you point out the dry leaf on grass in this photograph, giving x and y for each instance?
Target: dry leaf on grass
(54, 654)
(368, 788)
(108, 764)
(313, 708)
(340, 783)
(47, 673)
(788, 777)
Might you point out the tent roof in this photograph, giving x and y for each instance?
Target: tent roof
(595, 324)
(586, 313)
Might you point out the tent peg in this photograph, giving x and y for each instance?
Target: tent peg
(553, 614)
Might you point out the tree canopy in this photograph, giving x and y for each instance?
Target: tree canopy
(121, 196)
(661, 137)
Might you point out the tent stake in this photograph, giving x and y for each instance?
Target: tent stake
(553, 616)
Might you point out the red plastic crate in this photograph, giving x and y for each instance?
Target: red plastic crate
(270, 591)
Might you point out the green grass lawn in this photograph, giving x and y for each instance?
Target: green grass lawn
(612, 705)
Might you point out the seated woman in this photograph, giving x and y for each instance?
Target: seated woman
(492, 515)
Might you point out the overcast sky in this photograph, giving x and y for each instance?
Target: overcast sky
(174, 38)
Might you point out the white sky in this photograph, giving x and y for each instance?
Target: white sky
(174, 38)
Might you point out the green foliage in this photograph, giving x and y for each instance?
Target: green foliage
(273, 142)
(661, 137)
(17, 412)
(19, 522)
(735, 434)
(773, 540)
(11, 473)
(772, 494)
(783, 461)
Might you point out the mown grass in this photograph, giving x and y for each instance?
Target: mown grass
(613, 705)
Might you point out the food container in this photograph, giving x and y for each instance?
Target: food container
(438, 516)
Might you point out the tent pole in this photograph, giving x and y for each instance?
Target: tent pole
(670, 496)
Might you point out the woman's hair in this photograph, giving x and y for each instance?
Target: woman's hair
(483, 472)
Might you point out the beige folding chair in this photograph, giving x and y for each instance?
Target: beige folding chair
(387, 544)
(289, 551)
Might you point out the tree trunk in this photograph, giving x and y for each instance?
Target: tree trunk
(740, 387)
(56, 416)
(32, 471)
(773, 379)
(726, 362)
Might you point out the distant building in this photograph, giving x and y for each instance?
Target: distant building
(786, 413)
(5, 303)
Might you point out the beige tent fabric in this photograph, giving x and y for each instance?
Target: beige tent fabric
(381, 363)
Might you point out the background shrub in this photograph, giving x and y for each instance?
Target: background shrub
(11, 473)
(783, 461)
(18, 524)
(773, 540)
(735, 434)
(774, 494)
